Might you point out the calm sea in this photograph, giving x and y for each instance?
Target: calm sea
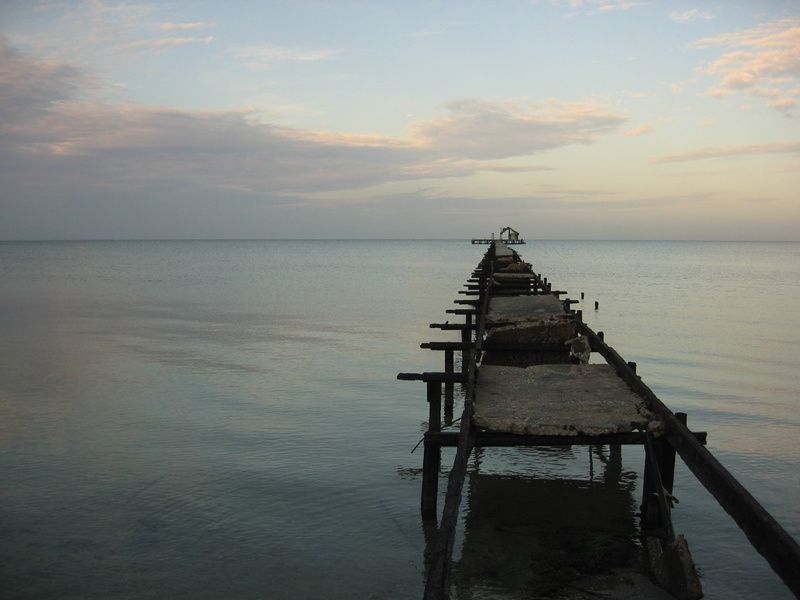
(222, 419)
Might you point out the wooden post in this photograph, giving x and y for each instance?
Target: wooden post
(655, 452)
(651, 519)
(448, 388)
(466, 338)
(432, 453)
(667, 462)
(647, 509)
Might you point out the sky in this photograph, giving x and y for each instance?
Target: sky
(565, 119)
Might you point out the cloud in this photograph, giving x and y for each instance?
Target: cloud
(591, 7)
(161, 44)
(687, 16)
(724, 152)
(82, 32)
(485, 130)
(185, 26)
(763, 61)
(588, 201)
(64, 155)
(264, 56)
(29, 86)
(449, 167)
(678, 87)
(52, 120)
(641, 130)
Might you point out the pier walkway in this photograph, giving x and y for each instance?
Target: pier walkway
(527, 382)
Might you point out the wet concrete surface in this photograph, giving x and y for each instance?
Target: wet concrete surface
(556, 400)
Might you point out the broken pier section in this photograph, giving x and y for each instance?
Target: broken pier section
(527, 383)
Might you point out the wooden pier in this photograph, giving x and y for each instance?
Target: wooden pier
(527, 382)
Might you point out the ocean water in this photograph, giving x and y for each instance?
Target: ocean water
(206, 419)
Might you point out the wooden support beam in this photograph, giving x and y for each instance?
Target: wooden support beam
(461, 311)
(432, 376)
(495, 439)
(454, 326)
(446, 345)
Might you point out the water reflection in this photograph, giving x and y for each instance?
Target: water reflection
(533, 535)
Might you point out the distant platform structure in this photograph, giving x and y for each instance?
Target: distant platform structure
(507, 236)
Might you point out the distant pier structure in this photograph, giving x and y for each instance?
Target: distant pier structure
(508, 236)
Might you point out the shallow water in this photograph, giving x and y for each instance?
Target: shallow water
(206, 419)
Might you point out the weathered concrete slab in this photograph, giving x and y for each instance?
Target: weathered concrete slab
(517, 267)
(552, 331)
(556, 400)
(519, 282)
(513, 275)
(505, 309)
(525, 358)
(537, 322)
(502, 250)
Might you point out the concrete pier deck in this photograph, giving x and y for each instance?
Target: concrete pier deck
(557, 400)
(516, 309)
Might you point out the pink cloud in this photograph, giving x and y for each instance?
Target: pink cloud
(766, 57)
(264, 56)
(160, 44)
(687, 16)
(641, 130)
(591, 7)
(184, 26)
(485, 130)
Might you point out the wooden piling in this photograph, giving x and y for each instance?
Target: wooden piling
(431, 459)
(667, 458)
(448, 388)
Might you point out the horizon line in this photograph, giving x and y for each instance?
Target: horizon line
(343, 239)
